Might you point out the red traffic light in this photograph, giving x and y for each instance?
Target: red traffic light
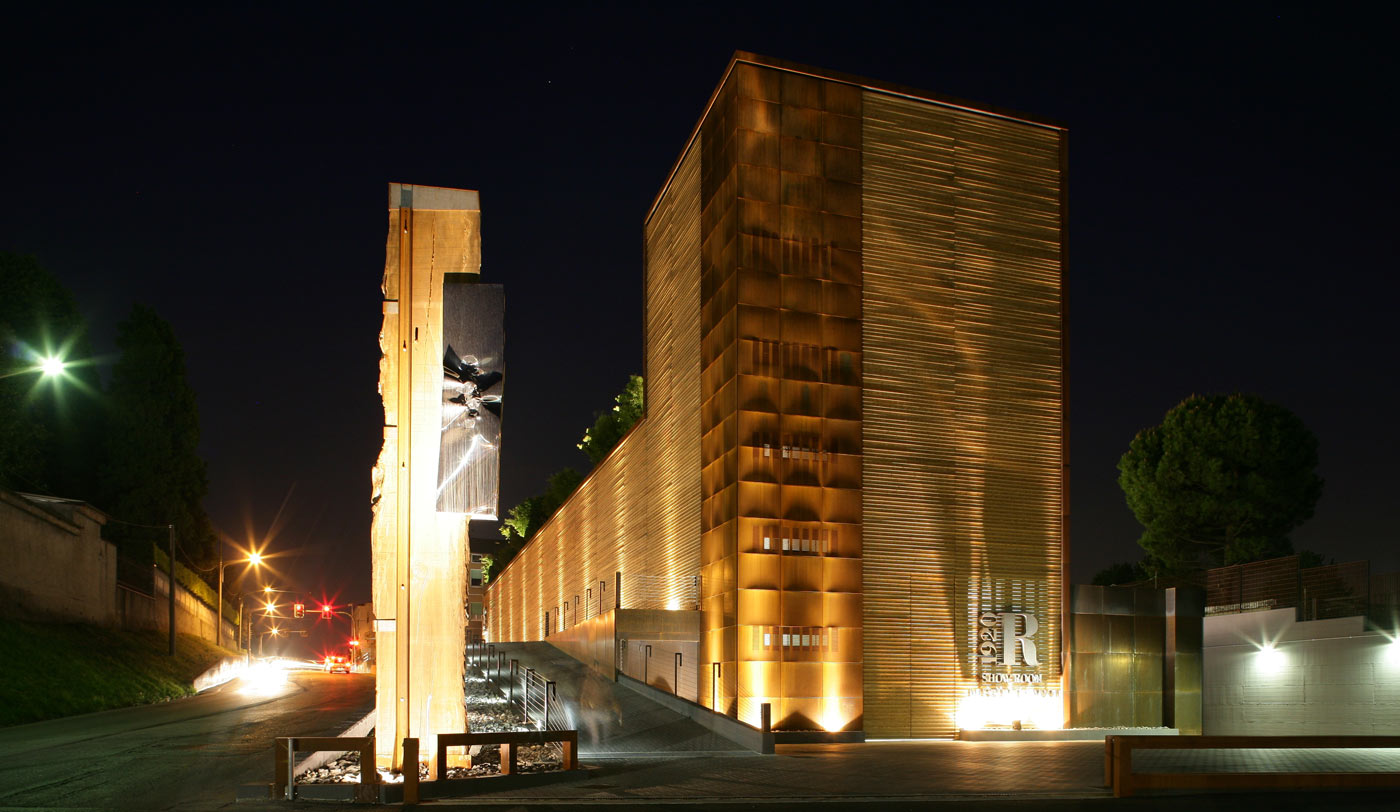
(326, 611)
(298, 610)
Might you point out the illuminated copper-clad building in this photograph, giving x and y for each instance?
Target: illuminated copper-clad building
(852, 462)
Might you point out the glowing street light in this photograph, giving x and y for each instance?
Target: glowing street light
(52, 366)
(255, 560)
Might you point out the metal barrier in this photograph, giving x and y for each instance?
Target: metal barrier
(1119, 775)
(524, 689)
(660, 664)
(284, 750)
(567, 739)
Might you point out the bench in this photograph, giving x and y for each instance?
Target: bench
(1119, 775)
(508, 741)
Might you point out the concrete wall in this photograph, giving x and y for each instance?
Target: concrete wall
(644, 643)
(137, 610)
(591, 642)
(1320, 677)
(666, 634)
(54, 564)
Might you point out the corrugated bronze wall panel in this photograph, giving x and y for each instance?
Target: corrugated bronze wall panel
(780, 292)
(962, 400)
(670, 539)
(639, 510)
(853, 350)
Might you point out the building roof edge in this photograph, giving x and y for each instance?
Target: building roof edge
(865, 83)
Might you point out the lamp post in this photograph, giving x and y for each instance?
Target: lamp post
(268, 608)
(253, 558)
(274, 631)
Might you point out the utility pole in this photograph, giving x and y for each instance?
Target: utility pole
(171, 528)
(219, 604)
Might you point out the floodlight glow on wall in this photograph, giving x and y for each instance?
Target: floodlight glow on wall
(1038, 708)
(1270, 658)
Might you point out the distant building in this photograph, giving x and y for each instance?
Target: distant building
(1312, 651)
(362, 629)
(476, 596)
(852, 462)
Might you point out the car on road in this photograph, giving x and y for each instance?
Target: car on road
(336, 663)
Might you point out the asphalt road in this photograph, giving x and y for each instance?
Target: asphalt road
(187, 755)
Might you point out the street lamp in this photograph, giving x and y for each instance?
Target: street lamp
(269, 608)
(274, 631)
(255, 559)
(51, 367)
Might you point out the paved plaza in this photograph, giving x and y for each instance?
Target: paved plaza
(647, 756)
(901, 775)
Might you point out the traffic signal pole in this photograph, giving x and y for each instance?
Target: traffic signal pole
(171, 528)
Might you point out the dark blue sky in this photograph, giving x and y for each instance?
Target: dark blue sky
(1232, 216)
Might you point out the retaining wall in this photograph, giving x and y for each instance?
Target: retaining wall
(137, 610)
(1267, 674)
(54, 564)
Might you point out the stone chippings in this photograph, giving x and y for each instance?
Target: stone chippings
(487, 712)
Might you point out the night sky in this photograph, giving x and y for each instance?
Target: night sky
(1232, 218)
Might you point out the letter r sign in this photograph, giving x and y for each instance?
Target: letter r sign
(1011, 640)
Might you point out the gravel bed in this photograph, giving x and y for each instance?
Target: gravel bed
(487, 712)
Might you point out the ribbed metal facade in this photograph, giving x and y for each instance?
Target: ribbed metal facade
(854, 433)
(780, 296)
(962, 399)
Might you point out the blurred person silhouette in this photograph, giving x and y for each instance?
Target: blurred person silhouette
(598, 707)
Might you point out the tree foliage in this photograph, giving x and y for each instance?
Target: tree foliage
(48, 425)
(531, 513)
(528, 516)
(153, 473)
(1223, 480)
(1121, 573)
(610, 426)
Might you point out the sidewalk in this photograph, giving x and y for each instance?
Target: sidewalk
(889, 776)
(890, 771)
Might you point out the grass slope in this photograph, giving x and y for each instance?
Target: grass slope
(48, 670)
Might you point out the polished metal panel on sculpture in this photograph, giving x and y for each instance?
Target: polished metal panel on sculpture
(473, 373)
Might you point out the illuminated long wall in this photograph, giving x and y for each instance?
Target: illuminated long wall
(854, 430)
(638, 512)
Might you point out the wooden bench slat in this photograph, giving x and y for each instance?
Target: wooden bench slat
(1262, 780)
(510, 742)
(1119, 775)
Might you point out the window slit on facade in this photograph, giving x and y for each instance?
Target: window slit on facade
(795, 638)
